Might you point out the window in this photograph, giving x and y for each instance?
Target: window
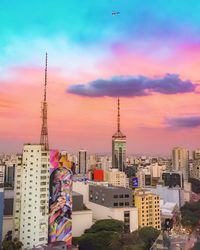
(121, 204)
(121, 196)
(115, 204)
(126, 203)
(115, 196)
(126, 195)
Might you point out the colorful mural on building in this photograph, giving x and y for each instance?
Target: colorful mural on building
(60, 203)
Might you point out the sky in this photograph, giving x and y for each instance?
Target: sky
(148, 55)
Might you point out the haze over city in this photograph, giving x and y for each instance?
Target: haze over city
(148, 56)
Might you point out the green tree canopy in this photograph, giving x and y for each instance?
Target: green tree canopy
(148, 235)
(106, 225)
(190, 214)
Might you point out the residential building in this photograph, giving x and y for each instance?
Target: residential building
(148, 205)
(119, 146)
(180, 161)
(31, 206)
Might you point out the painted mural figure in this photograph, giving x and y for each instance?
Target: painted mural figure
(60, 210)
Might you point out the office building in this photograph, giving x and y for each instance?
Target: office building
(148, 205)
(119, 146)
(108, 202)
(82, 162)
(32, 196)
(180, 161)
(173, 179)
(117, 178)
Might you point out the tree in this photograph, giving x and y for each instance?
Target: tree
(9, 244)
(100, 240)
(104, 234)
(148, 235)
(190, 214)
(106, 225)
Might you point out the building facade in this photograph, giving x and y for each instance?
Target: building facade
(180, 161)
(148, 205)
(119, 146)
(117, 178)
(82, 162)
(31, 206)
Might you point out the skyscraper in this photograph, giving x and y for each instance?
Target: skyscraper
(118, 146)
(31, 209)
(180, 161)
(82, 161)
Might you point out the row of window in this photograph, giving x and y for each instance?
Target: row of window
(120, 196)
(121, 204)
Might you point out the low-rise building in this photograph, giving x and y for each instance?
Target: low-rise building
(148, 205)
(108, 202)
(117, 178)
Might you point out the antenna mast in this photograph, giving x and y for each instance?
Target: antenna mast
(44, 130)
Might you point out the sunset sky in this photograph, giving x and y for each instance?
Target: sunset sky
(148, 55)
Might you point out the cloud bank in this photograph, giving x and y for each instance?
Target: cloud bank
(132, 86)
(183, 122)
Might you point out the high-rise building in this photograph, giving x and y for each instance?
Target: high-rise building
(32, 196)
(196, 154)
(148, 205)
(180, 161)
(118, 146)
(31, 208)
(82, 162)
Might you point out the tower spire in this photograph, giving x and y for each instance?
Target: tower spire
(118, 116)
(45, 83)
(44, 130)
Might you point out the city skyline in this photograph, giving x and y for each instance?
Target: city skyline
(148, 55)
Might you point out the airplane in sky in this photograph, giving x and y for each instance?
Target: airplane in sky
(114, 13)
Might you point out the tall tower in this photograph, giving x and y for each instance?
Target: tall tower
(44, 131)
(118, 146)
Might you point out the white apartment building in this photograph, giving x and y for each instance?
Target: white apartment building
(116, 178)
(32, 196)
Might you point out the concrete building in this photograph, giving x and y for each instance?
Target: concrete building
(180, 161)
(156, 170)
(109, 203)
(82, 162)
(8, 219)
(195, 172)
(148, 205)
(119, 146)
(174, 195)
(31, 206)
(173, 179)
(144, 178)
(117, 178)
(81, 216)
